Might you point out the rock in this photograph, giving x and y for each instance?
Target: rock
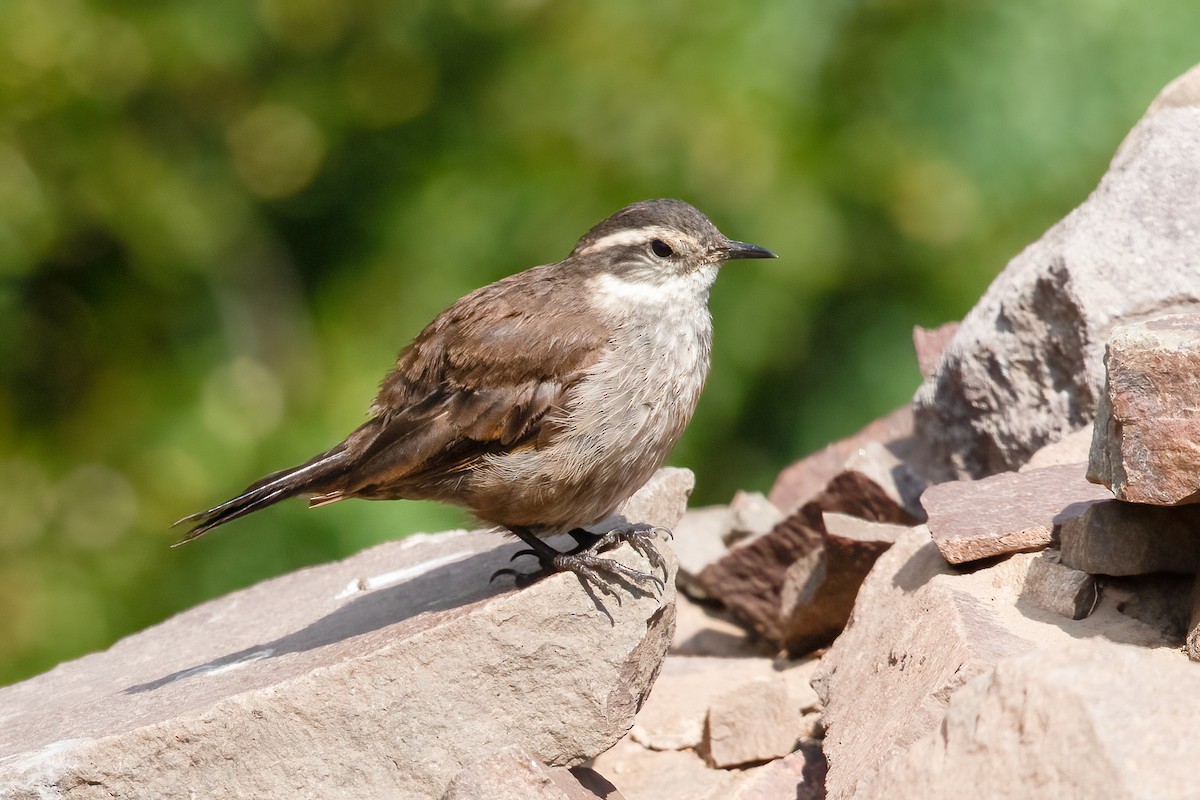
(918, 632)
(1117, 538)
(1087, 719)
(1146, 446)
(1074, 448)
(689, 687)
(702, 630)
(1192, 639)
(877, 485)
(1056, 587)
(642, 774)
(699, 541)
(749, 724)
(753, 515)
(1026, 367)
(930, 343)
(749, 578)
(799, 483)
(819, 589)
(1007, 513)
(514, 774)
(378, 676)
(796, 776)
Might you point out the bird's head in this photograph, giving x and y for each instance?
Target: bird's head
(659, 242)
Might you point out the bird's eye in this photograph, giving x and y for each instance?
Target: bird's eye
(661, 248)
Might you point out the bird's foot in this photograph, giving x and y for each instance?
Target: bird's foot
(638, 535)
(585, 559)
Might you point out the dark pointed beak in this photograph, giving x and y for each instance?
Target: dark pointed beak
(743, 250)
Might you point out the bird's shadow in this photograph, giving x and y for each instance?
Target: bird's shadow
(442, 589)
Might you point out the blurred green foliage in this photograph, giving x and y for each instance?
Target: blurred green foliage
(220, 220)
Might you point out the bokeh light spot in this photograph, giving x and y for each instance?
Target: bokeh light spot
(277, 150)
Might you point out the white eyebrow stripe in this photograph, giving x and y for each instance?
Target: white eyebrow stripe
(627, 237)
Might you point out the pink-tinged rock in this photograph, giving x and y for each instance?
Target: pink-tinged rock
(1007, 513)
(1074, 448)
(877, 485)
(1053, 586)
(820, 588)
(379, 676)
(1026, 366)
(688, 687)
(699, 540)
(930, 343)
(920, 629)
(796, 776)
(1117, 538)
(803, 480)
(752, 515)
(1191, 641)
(642, 774)
(749, 578)
(1146, 446)
(1090, 718)
(513, 773)
(750, 723)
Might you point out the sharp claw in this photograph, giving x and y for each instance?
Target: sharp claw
(505, 571)
(519, 553)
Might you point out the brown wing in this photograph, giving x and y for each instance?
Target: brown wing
(481, 378)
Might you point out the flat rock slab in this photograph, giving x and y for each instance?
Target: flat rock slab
(1118, 538)
(1007, 513)
(1026, 366)
(1146, 446)
(1084, 720)
(920, 630)
(378, 676)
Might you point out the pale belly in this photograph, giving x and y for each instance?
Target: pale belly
(620, 425)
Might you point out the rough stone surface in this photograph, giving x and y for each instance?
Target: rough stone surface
(1074, 448)
(803, 480)
(796, 776)
(930, 343)
(1087, 719)
(1055, 587)
(749, 579)
(819, 589)
(688, 687)
(1192, 639)
(642, 774)
(1026, 365)
(378, 676)
(750, 723)
(918, 632)
(1007, 513)
(700, 541)
(753, 515)
(1117, 538)
(875, 484)
(1146, 446)
(513, 773)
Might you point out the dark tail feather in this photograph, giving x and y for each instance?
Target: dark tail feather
(262, 493)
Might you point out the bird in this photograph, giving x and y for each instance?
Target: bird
(542, 401)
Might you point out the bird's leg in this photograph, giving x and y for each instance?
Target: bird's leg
(584, 560)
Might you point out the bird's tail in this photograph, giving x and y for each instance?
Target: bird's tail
(265, 492)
